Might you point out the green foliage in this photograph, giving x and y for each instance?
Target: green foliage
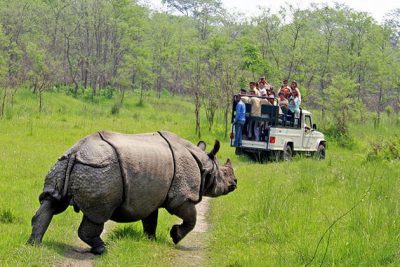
(115, 108)
(340, 134)
(6, 216)
(387, 149)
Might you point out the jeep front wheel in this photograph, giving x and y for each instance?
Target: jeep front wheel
(320, 153)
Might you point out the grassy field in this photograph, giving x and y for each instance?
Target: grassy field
(277, 216)
(343, 211)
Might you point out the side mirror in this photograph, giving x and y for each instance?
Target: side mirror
(314, 126)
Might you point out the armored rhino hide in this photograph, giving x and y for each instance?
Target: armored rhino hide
(157, 169)
(126, 178)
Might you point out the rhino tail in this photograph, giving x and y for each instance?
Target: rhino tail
(57, 183)
(70, 165)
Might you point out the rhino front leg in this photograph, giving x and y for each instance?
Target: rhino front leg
(187, 212)
(41, 221)
(90, 233)
(150, 225)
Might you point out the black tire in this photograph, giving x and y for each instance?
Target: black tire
(238, 151)
(320, 153)
(287, 153)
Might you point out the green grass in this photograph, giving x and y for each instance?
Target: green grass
(281, 210)
(275, 218)
(31, 143)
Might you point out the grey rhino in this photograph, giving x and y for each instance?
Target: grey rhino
(126, 178)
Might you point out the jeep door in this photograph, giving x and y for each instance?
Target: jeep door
(307, 132)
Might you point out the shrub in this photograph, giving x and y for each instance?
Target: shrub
(6, 216)
(340, 134)
(384, 149)
(115, 108)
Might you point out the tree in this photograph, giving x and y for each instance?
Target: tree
(341, 96)
(43, 71)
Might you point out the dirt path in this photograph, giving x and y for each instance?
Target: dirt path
(191, 250)
(78, 255)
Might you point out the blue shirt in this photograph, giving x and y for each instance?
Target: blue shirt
(294, 104)
(240, 111)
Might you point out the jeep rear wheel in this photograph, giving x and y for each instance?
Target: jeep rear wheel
(320, 153)
(238, 151)
(287, 153)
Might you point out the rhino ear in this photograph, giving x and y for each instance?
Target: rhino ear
(215, 150)
(228, 163)
(202, 145)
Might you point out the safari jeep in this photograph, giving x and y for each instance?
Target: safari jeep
(275, 135)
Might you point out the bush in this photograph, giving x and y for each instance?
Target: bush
(340, 134)
(115, 108)
(385, 149)
(165, 93)
(6, 216)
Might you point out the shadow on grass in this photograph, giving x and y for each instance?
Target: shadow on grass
(68, 251)
(192, 247)
(132, 233)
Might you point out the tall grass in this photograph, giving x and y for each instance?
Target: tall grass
(281, 210)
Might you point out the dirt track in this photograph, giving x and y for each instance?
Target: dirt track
(190, 251)
(79, 255)
(192, 247)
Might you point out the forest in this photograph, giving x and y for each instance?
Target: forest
(346, 63)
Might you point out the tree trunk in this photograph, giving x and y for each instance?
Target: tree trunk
(197, 112)
(141, 93)
(122, 97)
(378, 112)
(40, 101)
(3, 103)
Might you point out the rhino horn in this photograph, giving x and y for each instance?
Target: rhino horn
(202, 145)
(215, 149)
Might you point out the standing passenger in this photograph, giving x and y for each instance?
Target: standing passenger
(253, 90)
(268, 86)
(282, 101)
(294, 104)
(285, 88)
(262, 89)
(294, 87)
(240, 118)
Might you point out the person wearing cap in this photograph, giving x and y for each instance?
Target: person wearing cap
(243, 91)
(293, 87)
(240, 119)
(266, 84)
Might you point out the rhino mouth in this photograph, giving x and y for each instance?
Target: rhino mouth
(231, 188)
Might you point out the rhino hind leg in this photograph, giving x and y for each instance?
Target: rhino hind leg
(150, 225)
(89, 232)
(187, 212)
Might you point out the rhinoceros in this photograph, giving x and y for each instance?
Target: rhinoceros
(127, 178)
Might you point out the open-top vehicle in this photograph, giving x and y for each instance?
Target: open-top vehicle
(275, 134)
